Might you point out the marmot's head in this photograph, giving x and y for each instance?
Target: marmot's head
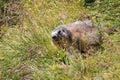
(61, 33)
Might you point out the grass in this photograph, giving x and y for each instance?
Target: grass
(27, 52)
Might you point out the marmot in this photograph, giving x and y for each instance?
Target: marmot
(79, 36)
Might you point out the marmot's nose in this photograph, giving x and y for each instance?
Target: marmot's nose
(54, 37)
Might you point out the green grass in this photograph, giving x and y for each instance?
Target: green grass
(27, 51)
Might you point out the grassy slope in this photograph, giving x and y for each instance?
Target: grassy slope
(27, 52)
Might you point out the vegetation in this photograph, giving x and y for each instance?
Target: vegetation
(26, 52)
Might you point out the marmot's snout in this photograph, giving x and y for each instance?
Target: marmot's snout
(55, 38)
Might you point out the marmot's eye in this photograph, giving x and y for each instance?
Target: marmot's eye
(59, 32)
(63, 30)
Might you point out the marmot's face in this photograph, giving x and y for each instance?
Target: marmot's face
(59, 34)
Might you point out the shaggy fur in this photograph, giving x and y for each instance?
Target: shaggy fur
(79, 36)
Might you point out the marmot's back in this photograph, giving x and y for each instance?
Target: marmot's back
(86, 28)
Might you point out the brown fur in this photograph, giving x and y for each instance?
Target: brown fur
(82, 37)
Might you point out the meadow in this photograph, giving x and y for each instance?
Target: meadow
(27, 52)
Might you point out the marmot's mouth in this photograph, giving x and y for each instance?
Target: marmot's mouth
(55, 38)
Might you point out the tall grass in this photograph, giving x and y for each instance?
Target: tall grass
(27, 52)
